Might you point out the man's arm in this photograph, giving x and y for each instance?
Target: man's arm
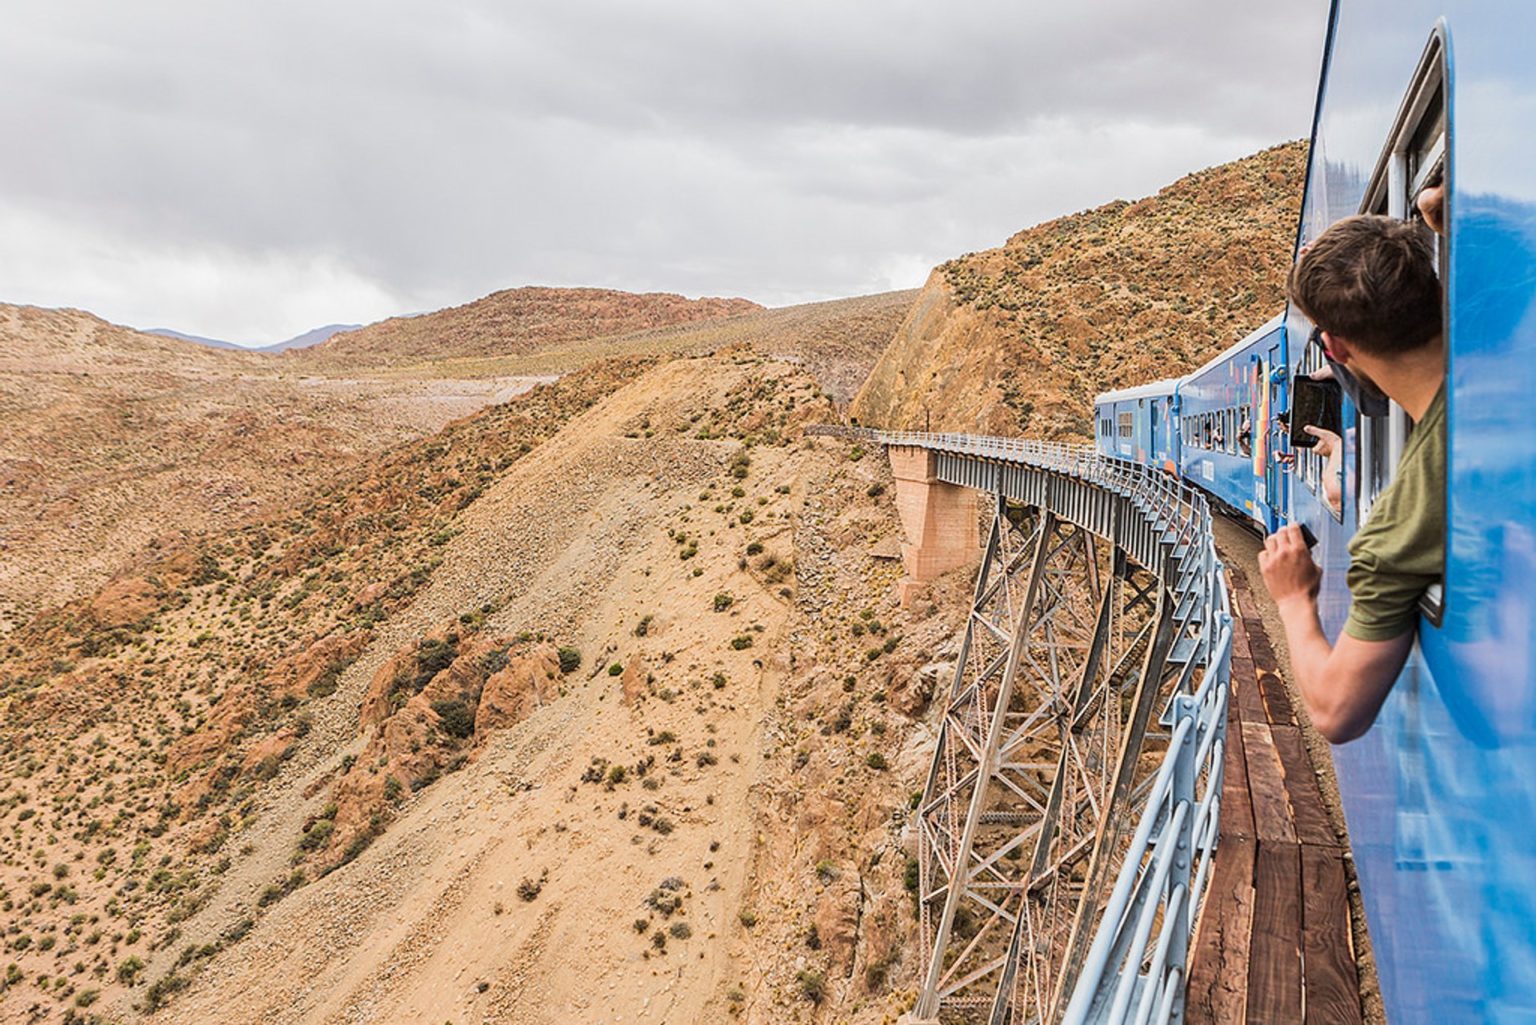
(1343, 685)
(1331, 447)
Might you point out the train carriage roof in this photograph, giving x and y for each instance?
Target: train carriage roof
(1156, 389)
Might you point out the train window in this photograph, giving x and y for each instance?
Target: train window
(1125, 425)
(1413, 156)
(1412, 160)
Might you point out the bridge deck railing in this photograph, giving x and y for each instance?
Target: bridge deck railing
(1135, 967)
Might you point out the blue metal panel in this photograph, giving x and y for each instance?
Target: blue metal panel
(1235, 382)
(1441, 793)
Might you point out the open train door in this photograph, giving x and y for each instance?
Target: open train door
(1269, 398)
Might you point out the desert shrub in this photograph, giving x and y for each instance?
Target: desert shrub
(875, 490)
(129, 969)
(666, 898)
(876, 760)
(680, 930)
(316, 836)
(723, 601)
(570, 660)
(455, 717)
(741, 642)
(813, 985)
(616, 669)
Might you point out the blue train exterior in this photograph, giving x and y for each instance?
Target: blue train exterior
(1138, 423)
(1440, 795)
(1215, 427)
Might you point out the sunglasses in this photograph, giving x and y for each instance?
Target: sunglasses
(1316, 338)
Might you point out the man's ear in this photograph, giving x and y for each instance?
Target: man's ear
(1337, 348)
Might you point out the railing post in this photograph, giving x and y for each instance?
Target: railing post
(1185, 771)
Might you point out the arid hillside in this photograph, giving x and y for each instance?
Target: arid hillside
(515, 322)
(116, 440)
(1017, 340)
(593, 704)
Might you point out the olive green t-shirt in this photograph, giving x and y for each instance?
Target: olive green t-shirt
(1401, 549)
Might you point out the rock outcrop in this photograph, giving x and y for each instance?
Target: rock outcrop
(1018, 339)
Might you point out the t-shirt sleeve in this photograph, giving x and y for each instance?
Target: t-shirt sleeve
(1385, 598)
(1400, 551)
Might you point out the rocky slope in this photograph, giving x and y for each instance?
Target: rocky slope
(580, 698)
(1018, 339)
(518, 321)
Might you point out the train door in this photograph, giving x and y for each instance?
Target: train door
(1156, 411)
(1269, 396)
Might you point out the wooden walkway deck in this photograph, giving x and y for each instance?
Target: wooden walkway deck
(1274, 943)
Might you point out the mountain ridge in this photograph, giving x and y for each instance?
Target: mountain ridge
(1018, 339)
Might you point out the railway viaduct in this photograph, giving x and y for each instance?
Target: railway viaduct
(1067, 830)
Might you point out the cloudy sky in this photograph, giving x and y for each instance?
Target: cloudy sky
(248, 171)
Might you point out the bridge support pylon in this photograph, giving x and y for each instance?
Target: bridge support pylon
(940, 520)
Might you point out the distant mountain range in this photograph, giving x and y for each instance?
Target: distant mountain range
(303, 341)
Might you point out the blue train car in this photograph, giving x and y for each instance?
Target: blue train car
(1226, 423)
(1440, 794)
(1138, 423)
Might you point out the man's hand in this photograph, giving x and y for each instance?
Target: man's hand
(1327, 442)
(1431, 204)
(1287, 566)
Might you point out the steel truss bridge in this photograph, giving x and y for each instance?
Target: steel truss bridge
(1069, 819)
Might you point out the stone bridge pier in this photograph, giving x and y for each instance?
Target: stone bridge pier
(939, 520)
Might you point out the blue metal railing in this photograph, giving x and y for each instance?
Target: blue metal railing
(1135, 967)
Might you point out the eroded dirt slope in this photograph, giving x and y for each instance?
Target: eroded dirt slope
(689, 823)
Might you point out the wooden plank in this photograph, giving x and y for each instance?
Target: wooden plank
(1332, 980)
(1277, 699)
(1258, 643)
(1250, 702)
(1236, 804)
(1274, 969)
(1239, 637)
(1218, 968)
(1307, 811)
(1266, 785)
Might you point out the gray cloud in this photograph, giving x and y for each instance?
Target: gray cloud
(248, 171)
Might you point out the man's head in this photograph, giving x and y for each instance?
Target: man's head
(1371, 282)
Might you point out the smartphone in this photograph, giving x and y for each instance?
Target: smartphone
(1314, 404)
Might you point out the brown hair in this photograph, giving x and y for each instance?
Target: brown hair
(1370, 280)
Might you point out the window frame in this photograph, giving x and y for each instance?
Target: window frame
(1418, 145)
